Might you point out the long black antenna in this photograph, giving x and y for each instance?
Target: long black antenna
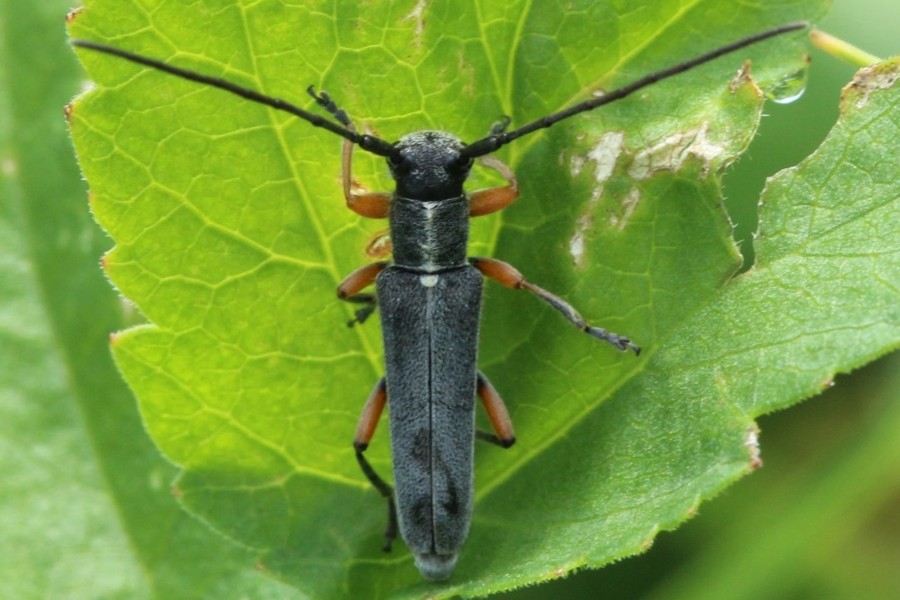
(497, 139)
(370, 143)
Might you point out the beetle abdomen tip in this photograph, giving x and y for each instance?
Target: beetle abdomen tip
(436, 567)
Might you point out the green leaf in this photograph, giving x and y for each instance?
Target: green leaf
(85, 508)
(822, 299)
(807, 512)
(231, 236)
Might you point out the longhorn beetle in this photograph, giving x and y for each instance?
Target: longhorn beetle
(429, 299)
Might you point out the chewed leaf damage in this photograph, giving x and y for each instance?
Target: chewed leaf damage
(605, 154)
(670, 154)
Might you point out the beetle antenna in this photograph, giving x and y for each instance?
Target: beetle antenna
(498, 139)
(325, 101)
(367, 142)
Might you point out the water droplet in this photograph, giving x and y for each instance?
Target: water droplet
(790, 88)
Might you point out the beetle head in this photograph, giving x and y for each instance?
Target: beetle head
(429, 165)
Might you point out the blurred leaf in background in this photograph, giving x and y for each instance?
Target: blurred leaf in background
(86, 510)
(85, 507)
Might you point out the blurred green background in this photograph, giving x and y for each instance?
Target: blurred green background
(821, 520)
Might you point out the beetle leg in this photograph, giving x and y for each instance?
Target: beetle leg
(509, 276)
(349, 289)
(366, 204)
(372, 205)
(503, 435)
(380, 245)
(485, 202)
(368, 421)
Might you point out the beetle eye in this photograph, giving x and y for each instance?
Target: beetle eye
(397, 163)
(460, 164)
(394, 158)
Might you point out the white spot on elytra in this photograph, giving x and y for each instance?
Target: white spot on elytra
(428, 280)
(672, 152)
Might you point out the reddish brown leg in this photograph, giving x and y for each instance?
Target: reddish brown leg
(380, 245)
(373, 205)
(371, 414)
(368, 421)
(485, 202)
(507, 275)
(497, 414)
(349, 289)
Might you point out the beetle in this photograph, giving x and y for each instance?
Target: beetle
(429, 299)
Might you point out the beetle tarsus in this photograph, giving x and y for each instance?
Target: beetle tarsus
(390, 533)
(362, 314)
(387, 492)
(620, 342)
(492, 438)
